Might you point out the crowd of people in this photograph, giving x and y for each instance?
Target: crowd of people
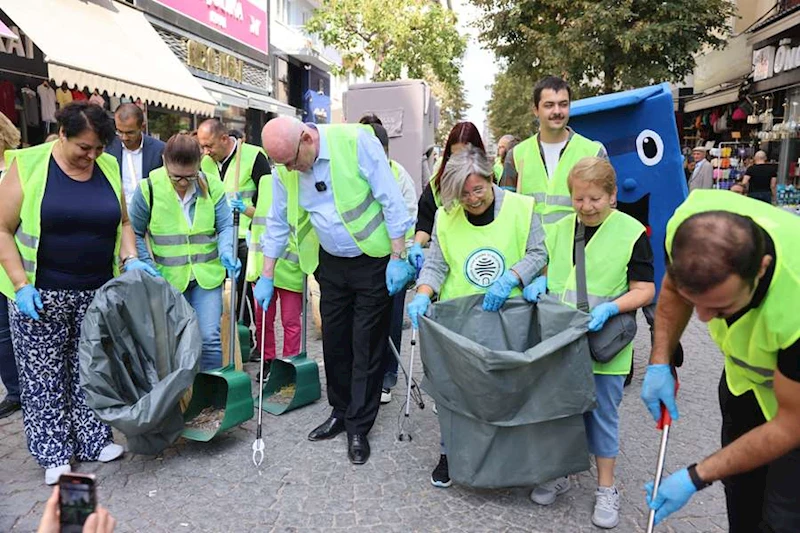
(326, 200)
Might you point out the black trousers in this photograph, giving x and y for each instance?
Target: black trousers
(356, 309)
(241, 286)
(766, 499)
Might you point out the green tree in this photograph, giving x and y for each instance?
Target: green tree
(452, 106)
(509, 108)
(604, 46)
(403, 38)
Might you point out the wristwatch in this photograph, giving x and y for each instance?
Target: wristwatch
(129, 258)
(697, 481)
(401, 255)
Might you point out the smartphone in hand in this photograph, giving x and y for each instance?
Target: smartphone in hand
(77, 500)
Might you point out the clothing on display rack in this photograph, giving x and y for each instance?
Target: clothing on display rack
(47, 98)
(97, 99)
(63, 95)
(30, 105)
(7, 106)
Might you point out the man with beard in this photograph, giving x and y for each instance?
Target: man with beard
(539, 165)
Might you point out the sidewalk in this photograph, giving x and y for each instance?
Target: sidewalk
(306, 486)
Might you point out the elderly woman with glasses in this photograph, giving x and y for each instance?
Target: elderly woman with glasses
(185, 217)
(485, 240)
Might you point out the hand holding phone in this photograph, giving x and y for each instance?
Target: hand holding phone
(77, 500)
(100, 521)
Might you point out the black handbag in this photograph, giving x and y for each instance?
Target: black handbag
(618, 330)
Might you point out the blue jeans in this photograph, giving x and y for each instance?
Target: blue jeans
(602, 423)
(208, 306)
(8, 366)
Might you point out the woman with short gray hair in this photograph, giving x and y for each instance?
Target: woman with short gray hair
(485, 241)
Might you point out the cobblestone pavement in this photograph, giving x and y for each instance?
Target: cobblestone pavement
(306, 486)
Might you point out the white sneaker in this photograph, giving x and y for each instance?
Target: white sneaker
(386, 395)
(606, 507)
(545, 493)
(110, 452)
(435, 411)
(51, 475)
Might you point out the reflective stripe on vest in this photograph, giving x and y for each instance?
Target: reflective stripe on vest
(181, 252)
(477, 256)
(247, 187)
(607, 256)
(752, 342)
(33, 167)
(287, 272)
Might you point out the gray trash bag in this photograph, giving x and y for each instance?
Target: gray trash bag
(139, 351)
(510, 387)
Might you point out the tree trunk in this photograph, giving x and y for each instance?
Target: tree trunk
(609, 78)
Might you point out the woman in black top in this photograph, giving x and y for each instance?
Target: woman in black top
(462, 135)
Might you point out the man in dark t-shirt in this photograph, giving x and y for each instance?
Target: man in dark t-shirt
(761, 179)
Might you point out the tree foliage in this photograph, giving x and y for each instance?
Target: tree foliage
(604, 46)
(509, 108)
(402, 37)
(405, 39)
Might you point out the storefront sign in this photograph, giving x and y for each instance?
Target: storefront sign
(242, 20)
(769, 61)
(210, 60)
(20, 55)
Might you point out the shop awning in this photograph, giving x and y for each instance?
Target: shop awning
(223, 94)
(268, 104)
(725, 96)
(108, 46)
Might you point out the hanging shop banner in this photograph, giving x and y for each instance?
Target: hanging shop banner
(243, 20)
(770, 60)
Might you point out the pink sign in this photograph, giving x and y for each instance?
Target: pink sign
(238, 19)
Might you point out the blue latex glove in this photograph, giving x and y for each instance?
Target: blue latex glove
(29, 301)
(658, 388)
(417, 308)
(416, 257)
(601, 314)
(536, 288)
(138, 264)
(499, 291)
(233, 267)
(398, 274)
(673, 493)
(237, 203)
(263, 291)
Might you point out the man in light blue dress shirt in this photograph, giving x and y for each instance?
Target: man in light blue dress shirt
(355, 287)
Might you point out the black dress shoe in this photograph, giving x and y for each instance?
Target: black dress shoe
(327, 430)
(8, 407)
(357, 449)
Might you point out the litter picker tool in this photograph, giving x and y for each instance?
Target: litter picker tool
(412, 389)
(664, 424)
(258, 444)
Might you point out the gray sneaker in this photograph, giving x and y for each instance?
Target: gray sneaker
(606, 507)
(545, 493)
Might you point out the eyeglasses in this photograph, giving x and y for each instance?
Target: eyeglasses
(477, 191)
(191, 177)
(293, 164)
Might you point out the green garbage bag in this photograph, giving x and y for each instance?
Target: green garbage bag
(139, 352)
(510, 387)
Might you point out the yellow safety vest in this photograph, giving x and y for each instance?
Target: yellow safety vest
(395, 166)
(179, 251)
(361, 213)
(607, 257)
(498, 170)
(247, 187)
(553, 201)
(752, 342)
(288, 274)
(478, 255)
(32, 166)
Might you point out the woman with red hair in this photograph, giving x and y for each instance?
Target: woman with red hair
(462, 135)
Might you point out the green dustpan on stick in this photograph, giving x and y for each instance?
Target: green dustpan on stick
(221, 398)
(294, 381)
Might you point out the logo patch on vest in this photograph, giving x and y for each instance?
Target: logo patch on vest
(484, 266)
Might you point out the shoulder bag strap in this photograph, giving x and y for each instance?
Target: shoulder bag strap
(580, 267)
